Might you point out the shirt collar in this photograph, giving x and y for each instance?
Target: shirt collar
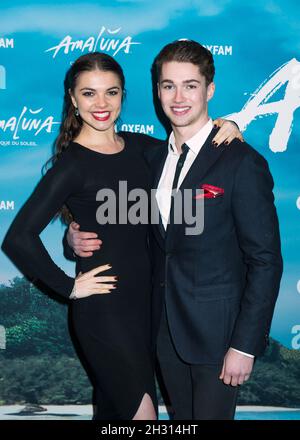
(194, 143)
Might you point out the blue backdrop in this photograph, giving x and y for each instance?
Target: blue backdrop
(255, 45)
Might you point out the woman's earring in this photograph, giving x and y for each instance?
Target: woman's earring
(76, 112)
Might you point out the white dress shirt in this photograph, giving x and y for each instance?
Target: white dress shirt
(165, 185)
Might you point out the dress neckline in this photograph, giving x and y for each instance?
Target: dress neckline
(99, 152)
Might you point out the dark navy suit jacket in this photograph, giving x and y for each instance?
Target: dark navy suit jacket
(219, 287)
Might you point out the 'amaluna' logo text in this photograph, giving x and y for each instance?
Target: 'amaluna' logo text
(28, 121)
(103, 43)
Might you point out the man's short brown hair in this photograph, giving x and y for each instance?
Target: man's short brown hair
(187, 51)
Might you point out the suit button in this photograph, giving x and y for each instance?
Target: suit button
(169, 254)
(162, 284)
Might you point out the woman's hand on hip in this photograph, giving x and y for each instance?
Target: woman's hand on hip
(89, 283)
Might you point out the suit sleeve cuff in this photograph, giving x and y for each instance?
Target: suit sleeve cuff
(242, 352)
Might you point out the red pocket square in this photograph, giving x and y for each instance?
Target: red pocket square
(210, 192)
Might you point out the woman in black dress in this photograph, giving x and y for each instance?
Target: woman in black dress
(111, 312)
(111, 317)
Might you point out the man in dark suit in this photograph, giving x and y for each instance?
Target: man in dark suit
(214, 291)
(218, 289)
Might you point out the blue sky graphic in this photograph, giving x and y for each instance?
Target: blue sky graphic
(264, 35)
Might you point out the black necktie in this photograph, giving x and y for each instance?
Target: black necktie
(179, 167)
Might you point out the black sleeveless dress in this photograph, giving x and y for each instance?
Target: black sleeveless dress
(113, 330)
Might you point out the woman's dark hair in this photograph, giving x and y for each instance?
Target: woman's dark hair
(71, 124)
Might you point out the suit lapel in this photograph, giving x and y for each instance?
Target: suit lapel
(157, 165)
(205, 159)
